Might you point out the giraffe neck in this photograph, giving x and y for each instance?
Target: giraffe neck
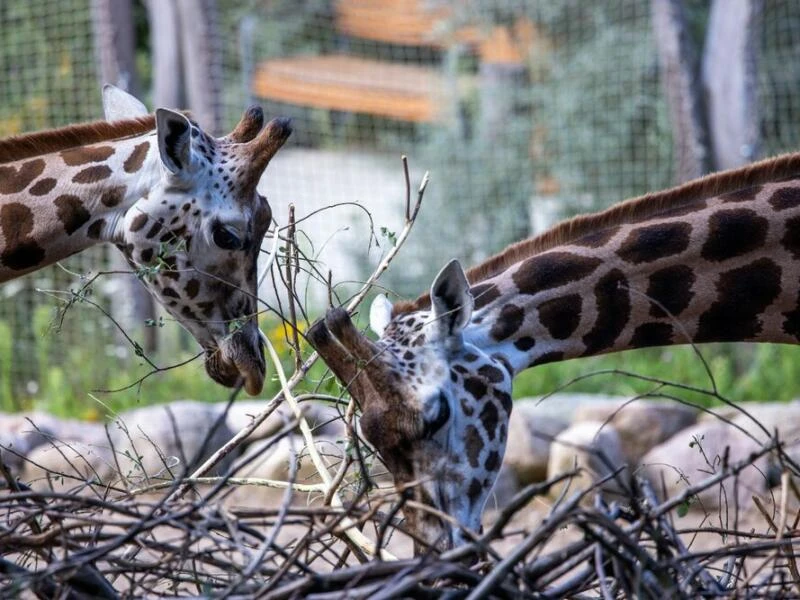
(57, 204)
(721, 268)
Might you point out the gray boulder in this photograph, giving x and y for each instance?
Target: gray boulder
(530, 433)
(595, 449)
(641, 424)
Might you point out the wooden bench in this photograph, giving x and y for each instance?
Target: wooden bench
(402, 22)
(352, 84)
(395, 90)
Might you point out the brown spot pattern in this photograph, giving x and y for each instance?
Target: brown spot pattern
(783, 198)
(743, 294)
(20, 252)
(490, 418)
(135, 161)
(75, 157)
(733, 233)
(138, 222)
(651, 242)
(71, 212)
(508, 322)
(742, 195)
(652, 334)
(483, 294)
(524, 343)
(491, 374)
(95, 230)
(791, 236)
(492, 461)
(547, 357)
(42, 187)
(92, 174)
(475, 387)
(475, 490)
(13, 180)
(670, 288)
(561, 316)
(613, 302)
(474, 445)
(552, 270)
(192, 288)
(596, 239)
(113, 196)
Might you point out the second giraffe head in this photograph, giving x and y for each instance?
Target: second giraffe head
(195, 237)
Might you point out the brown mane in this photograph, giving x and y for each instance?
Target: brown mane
(634, 209)
(43, 142)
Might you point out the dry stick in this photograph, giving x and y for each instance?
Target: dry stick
(353, 534)
(779, 530)
(411, 217)
(300, 374)
(291, 252)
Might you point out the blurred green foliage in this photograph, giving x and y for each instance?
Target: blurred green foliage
(586, 128)
(738, 372)
(48, 71)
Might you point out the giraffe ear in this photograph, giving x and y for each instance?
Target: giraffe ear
(451, 300)
(119, 104)
(174, 139)
(380, 313)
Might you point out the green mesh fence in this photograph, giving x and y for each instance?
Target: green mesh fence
(536, 110)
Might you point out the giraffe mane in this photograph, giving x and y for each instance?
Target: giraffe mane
(635, 209)
(54, 140)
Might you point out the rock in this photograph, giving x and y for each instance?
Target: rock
(323, 418)
(505, 487)
(641, 424)
(695, 454)
(68, 465)
(241, 414)
(149, 444)
(22, 433)
(530, 432)
(271, 460)
(564, 405)
(596, 449)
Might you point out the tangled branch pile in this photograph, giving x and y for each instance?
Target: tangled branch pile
(109, 543)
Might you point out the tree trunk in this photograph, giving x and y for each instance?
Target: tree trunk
(202, 50)
(165, 36)
(677, 60)
(115, 47)
(729, 73)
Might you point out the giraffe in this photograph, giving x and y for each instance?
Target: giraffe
(716, 259)
(180, 205)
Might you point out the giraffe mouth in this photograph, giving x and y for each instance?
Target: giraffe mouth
(238, 360)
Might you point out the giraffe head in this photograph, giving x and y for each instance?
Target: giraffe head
(434, 406)
(195, 238)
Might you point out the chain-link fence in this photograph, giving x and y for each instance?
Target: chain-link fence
(523, 112)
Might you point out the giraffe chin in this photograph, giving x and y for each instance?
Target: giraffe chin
(234, 363)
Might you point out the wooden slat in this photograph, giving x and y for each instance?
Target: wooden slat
(351, 84)
(403, 22)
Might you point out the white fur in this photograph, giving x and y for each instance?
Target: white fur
(380, 313)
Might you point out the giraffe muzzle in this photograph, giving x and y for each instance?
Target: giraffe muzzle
(238, 360)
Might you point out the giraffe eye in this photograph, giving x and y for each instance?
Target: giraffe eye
(226, 238)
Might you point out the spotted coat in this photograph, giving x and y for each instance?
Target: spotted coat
(717, 259)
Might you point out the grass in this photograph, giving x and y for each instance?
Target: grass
(738, 372)
(74, 380)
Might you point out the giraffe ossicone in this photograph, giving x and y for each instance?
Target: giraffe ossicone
(716, 259)
(181, 205)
